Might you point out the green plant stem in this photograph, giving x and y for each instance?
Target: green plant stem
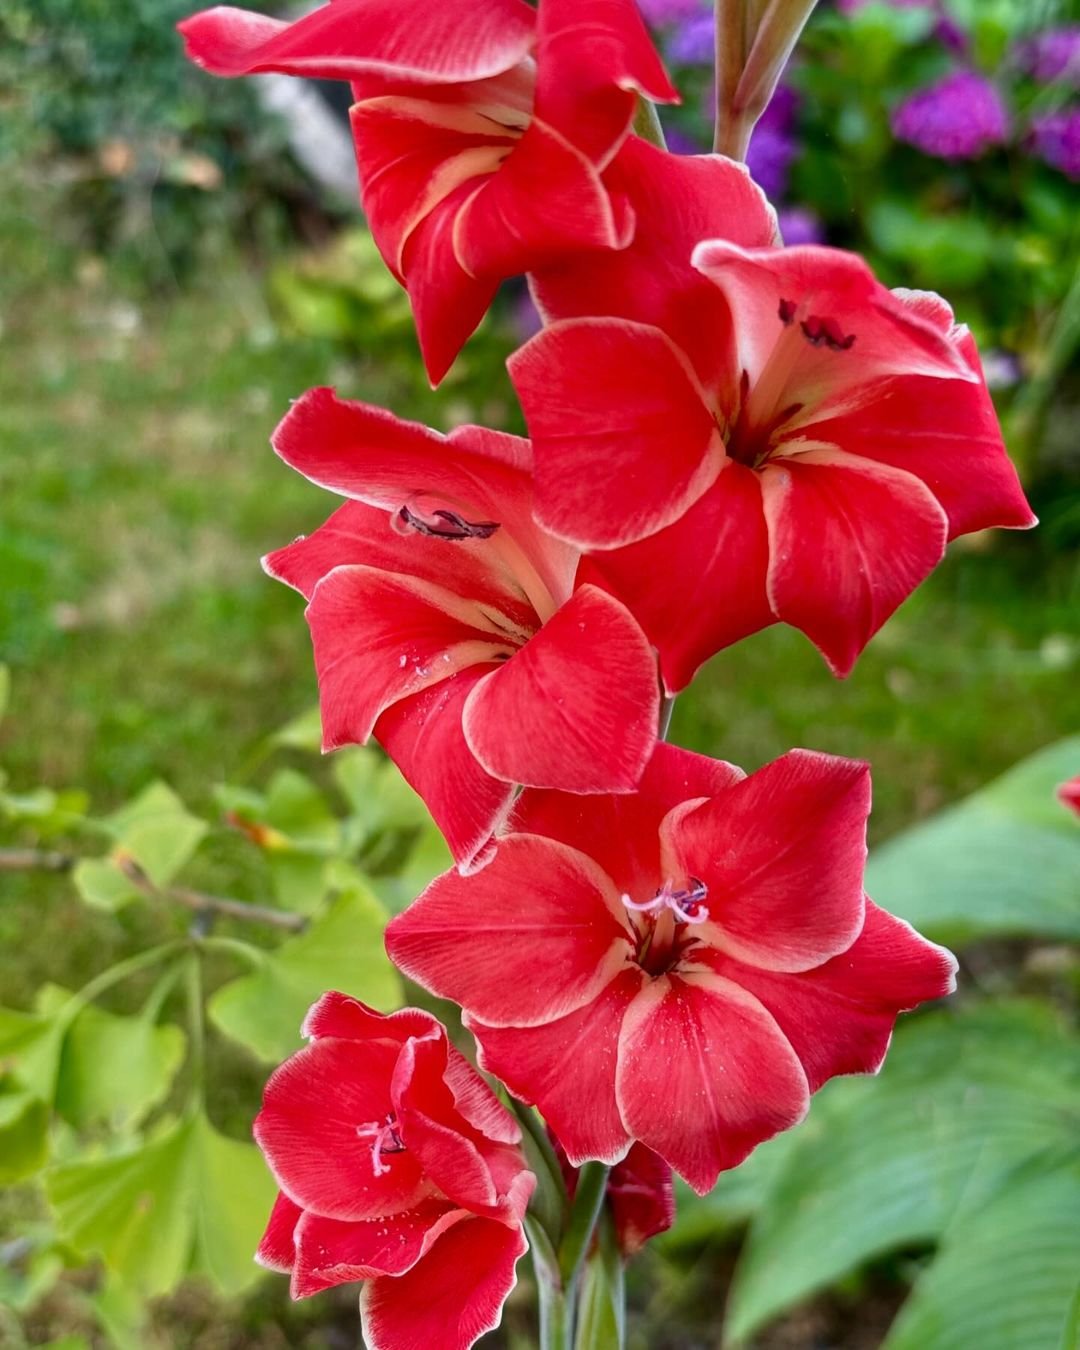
(556, 1302)
(45, 860)
(534, 1128)
(731, 49)
(753, 45)
(120, 972)
(244, 951)
(584, 1213)
(196, 1031)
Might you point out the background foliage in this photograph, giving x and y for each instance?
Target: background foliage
(170, 280)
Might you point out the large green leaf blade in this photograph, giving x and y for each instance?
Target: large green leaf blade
(116, 1069)
(236, 1193)
(189, 1201)
(887, 1162)
(1007, 1276)
(341, 950)
(135, 1210)
(1005, 861)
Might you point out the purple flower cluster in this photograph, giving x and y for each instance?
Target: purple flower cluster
(772, 146)
(662, 13)
(1053, 57)
(959, 117)
(1055, 138)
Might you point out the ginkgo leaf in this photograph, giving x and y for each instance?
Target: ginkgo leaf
(342, 950)
(187, 1201)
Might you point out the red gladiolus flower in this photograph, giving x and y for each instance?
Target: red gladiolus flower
(681, 967)
(640, 1194)
(483, 129)
(398, 1167)
(446, 621)
(766, 434)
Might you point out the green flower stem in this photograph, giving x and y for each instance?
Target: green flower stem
(551, 1183)
(556, 1302)
(732, 38)
(754, 41)
(584, 1213)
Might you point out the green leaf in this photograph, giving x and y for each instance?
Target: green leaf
(188, 1201)
(302, 733)
(158, 831)
(735, 1198)
(102, 885)
(888, 1162)
(1006, 1275)
(116, 1069)
(236, 1194)
(24, 1134)
(1005, 861)
(341, 950)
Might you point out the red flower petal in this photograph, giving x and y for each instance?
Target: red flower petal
(365, 452)
(415, 149)
(946, 433)
(538, 933)
(459, 40)
(642, 1198)
(307, 1129)
(829, 286)
(623, 439)
(329, 1252)
(849, 541)
(476, 1101)
(677, 200)
(447, 302)
(450, 1298)
(346, 1018)
(782, 854)
(592, 57)
(276, 1249)
(839, 1018)
(435, 1132)
(715, 558)
(567, 1069)
(705, 1075)
(622, 833)
(507, 226)
(361, 535)
(576, 708)
(424, 737)
(380, 637)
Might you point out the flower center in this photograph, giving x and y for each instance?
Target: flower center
(688, 906)
(662, 933)
(385, 1139)
(442, 523)
(757, 431)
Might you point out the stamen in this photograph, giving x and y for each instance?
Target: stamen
(385, 1139)
(443, 524)
(686, 905)
(826, 332)
(787, 312)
